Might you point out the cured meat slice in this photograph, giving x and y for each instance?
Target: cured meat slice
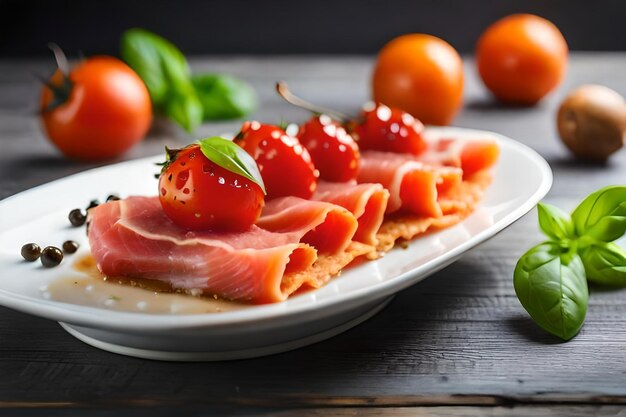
(471, 155)
(134, 238)
(414, 186)
(327, 227)
(455, 205)
(367, 202)
(431, 190)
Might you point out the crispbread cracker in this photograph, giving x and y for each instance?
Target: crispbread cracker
(457, 205)
(325, 267)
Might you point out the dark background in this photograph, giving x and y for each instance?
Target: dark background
(290, 27)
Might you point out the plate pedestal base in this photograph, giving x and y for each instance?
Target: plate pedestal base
(99, 339)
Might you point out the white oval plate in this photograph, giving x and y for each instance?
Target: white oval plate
(521, 179)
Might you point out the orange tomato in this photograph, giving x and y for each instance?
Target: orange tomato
(104, 109)
(422, 75)
(521, 58)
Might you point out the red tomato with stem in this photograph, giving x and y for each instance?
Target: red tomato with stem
(389, 129)
(334, 152)
(97, 111)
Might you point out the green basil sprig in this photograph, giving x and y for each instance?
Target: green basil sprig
(184, 109)
(224, 96)
(550, 283)
(554, 222)
(175, 93)
(605, 263)
(551, 278)
(602, 215)
(159, 63)
(232, 157)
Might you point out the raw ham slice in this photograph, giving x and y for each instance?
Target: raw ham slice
(367, 202)
(414, 186)
(133, 238)
(327, 227)
(471, 155)
(455, 205)
(429, 191)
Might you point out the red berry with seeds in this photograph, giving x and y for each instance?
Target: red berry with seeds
(388, 129)
(334, 152)
(198, 194)
(285, 165)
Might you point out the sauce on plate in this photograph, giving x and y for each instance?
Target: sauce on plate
(90, 288)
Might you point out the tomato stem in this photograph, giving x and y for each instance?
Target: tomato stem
(289, 97)
(60, 90)
(60, 58)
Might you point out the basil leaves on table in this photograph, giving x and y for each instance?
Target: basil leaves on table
(550, 283)
(551, 278)
(605, 263)
(555, 223)
(161, 66)
(602, 215)
(184, 109)
(224, 96)
(185, 98)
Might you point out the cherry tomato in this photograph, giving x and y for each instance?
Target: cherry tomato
(198, 194)
(388, 129)
(521, 58)
(420, 74)
(334, 152)
(102, 111)
(285, 165)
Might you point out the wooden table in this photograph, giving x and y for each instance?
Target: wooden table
(459, 343)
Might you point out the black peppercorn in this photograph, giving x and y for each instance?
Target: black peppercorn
(31, 252)
(51, 256)
(112, 197)
(92, 204)
(69, 246)
(77, 218)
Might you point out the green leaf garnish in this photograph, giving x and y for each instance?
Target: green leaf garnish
(160, 64)
(551, 278)
(605, 263)
(186, 110)
(602, 215)
(554, 222)
(232, 157)
(550, 283)
(186, 99)
(224, 96)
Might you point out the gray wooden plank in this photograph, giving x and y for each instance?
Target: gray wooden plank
(443, 411)
(459, 336)
(536, 411)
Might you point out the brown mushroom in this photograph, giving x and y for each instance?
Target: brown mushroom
(592, 122)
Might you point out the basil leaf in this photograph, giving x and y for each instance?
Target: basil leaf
(550, 283)
(184, 109)
(602, 215)
(554, 222)
(224, 96)
(605, 263)
(232, 157)
(160, 65)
